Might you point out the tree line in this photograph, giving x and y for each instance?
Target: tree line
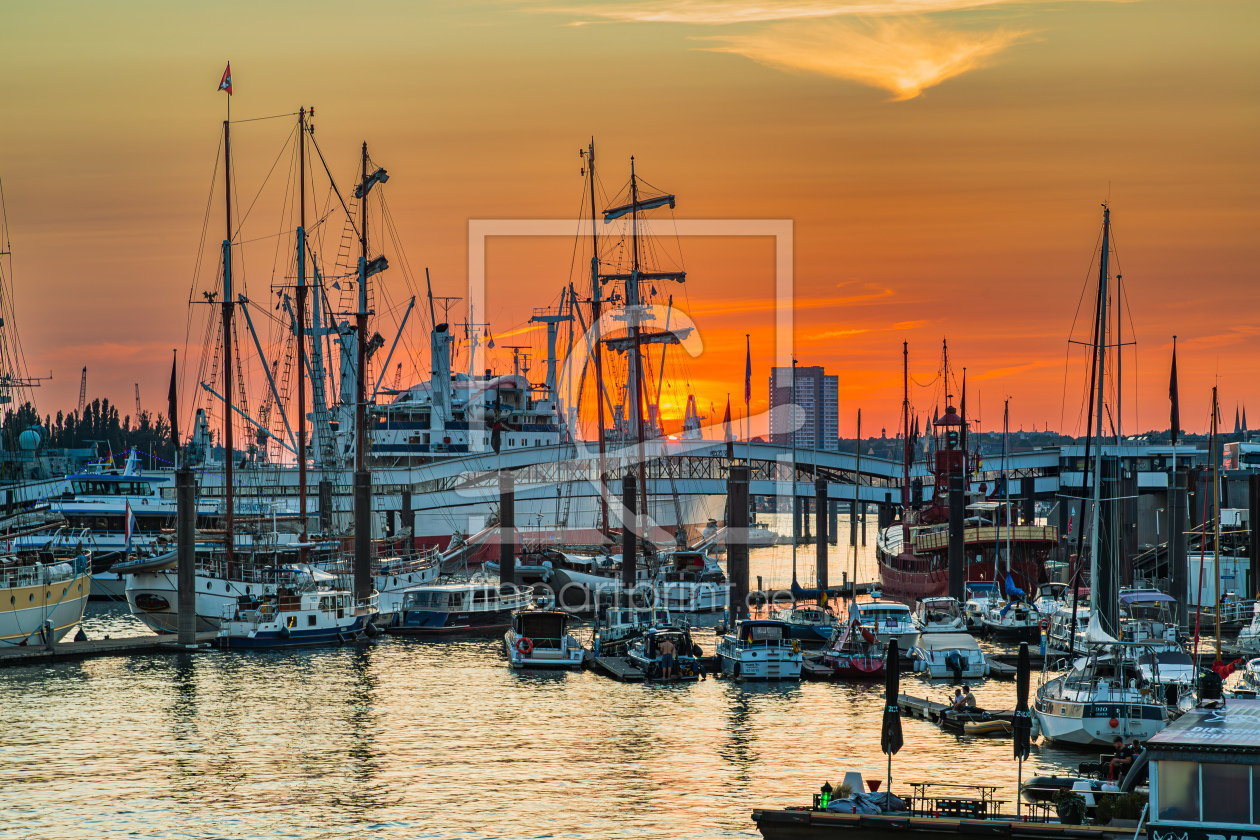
(101, 427)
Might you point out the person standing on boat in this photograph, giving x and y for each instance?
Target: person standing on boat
(667, 659)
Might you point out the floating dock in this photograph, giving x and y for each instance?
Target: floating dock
(617, 667)
(33, 654)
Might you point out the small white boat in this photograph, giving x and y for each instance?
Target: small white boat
(539, 638)
(1016, 621)
(982, 595)
(690, 581)
(1050, 597)
(953, 656)
(939, 615)
(297, 615)
(889, 620)
(760, 649)
(1249, 636)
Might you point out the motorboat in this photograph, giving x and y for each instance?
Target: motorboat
(645, 653)
(953, 656)
(854, 652)
(618, 627)
(809, 623)
(1148, 615)
(760, 649)
(539, 638)
(690, 581)
(889, 620)
(1063, 633)
(44, 599)
(1249, 636)
(591, 577)
(444, 609)
(981, 596)
(531, 565)
(1050, 597)
(940, 614)
(1100, 698)
(299, 613)
(1017, 621)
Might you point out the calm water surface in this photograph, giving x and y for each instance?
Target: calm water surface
(438, 739)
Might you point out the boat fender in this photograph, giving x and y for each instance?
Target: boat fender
(524, 645)
(284, 631)
(796, 646)
(371, 630)
(735, 669)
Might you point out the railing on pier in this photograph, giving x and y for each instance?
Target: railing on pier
(960, 801)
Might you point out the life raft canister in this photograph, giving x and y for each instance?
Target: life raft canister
(524, 645)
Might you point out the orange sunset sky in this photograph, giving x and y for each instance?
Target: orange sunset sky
(943, 163)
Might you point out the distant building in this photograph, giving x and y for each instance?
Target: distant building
(817, 395)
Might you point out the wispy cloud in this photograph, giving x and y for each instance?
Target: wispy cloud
(901, 56)
(719, 12)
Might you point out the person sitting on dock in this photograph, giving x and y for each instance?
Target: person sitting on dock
(960, 702)
(667, 659)
(969, 699)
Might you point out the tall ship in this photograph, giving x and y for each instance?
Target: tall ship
(913, 552)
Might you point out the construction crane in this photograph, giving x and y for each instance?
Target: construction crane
(83, 391)
(137, 402)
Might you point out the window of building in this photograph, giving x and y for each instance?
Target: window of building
(1226, 793)
(1179, 791)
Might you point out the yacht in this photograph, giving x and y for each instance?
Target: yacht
(889, 620)
(300, 613)
(941, 614)
(760, 649)
(41, 601)
(808, 623)
(539, 638)
(953, 656)
(982, 595)
(1059, 635)
(1249, 636)
(444, 609)
(1050, 597)
(690, 581)
(1100, 698)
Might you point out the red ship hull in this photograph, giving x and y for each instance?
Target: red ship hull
(915, 586)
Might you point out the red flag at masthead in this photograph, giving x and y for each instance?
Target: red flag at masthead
(226, 82)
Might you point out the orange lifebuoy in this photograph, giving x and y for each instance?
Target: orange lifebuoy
(524, 645)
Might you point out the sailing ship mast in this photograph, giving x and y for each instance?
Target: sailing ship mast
(227, 312)
(301, 331)
(795, 501)
(636, 355)
(596, 306)
(362, 478)
(905, 419)
(1100, 358)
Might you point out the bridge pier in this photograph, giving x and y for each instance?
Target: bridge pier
(1029, 486)
(833, 521)
(820, 545)
(737, 549)
(805, 509)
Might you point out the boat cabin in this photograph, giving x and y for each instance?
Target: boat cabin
(763, 632)
(884, 613)
(544, 628)
(692, 567)
(938, 610)
(453, 597)
(1205, 774)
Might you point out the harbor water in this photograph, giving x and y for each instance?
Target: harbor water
(442, 739)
